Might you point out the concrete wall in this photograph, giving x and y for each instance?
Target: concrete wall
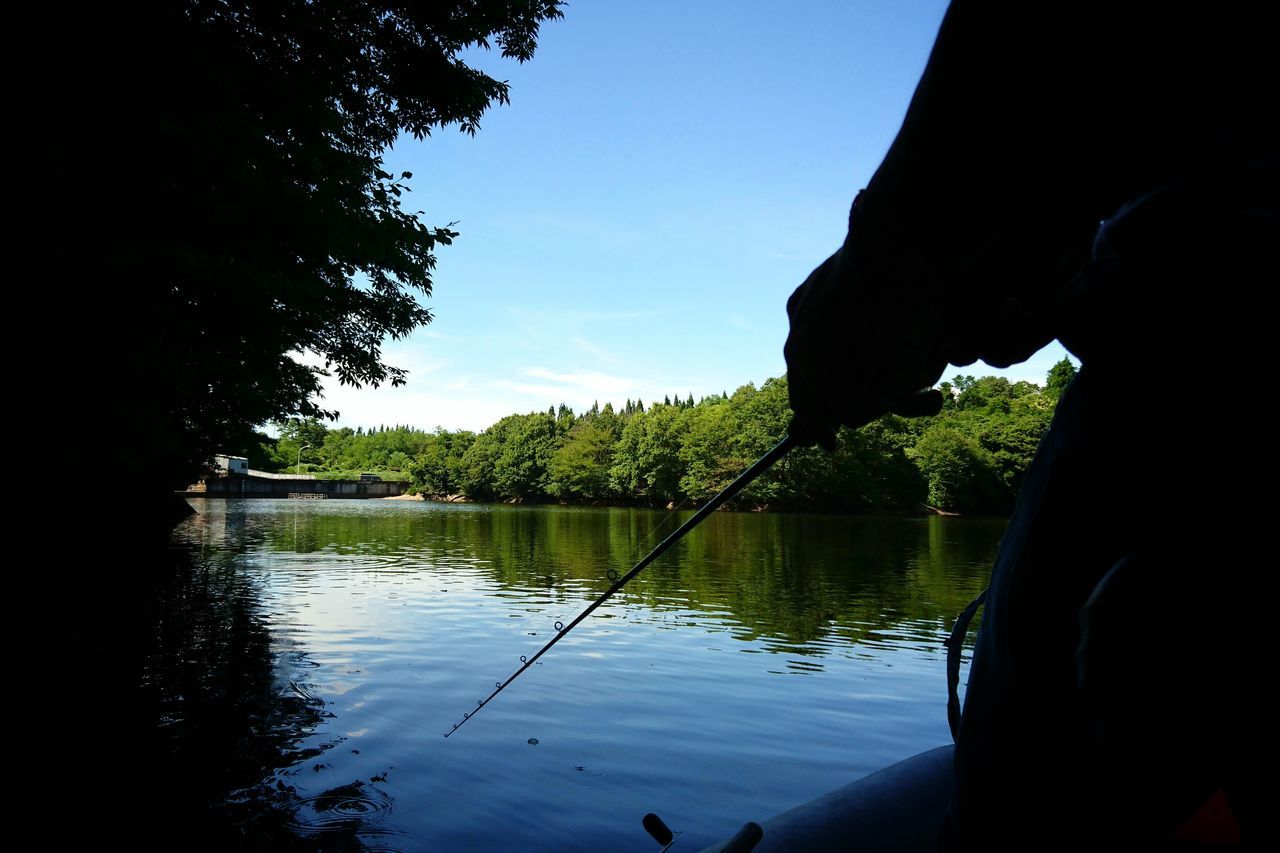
(266, 475)
(253, 487)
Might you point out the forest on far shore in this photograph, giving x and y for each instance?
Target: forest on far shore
(971, 457)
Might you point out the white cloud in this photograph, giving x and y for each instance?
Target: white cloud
(578, 389)
(596, 350)
(548, 392)
(592, 380)
(424, 406)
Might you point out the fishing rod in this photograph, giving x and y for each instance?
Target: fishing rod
(764, 463)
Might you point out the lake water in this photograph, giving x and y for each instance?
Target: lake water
(310, 657)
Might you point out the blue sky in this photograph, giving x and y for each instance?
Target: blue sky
(633, 222)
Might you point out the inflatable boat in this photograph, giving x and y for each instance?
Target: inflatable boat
(895, 810)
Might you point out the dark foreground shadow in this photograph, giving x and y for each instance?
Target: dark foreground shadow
(197, 721)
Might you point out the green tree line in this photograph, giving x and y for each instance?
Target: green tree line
(971, 457)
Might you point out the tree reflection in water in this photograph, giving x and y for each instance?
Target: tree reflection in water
(230, 710)
(245, 750)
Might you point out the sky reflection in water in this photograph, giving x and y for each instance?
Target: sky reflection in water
(768, 659)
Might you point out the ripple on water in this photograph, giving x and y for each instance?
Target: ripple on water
(376, 621)
(356, 807)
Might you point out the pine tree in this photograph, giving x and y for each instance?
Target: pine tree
(1060, 375)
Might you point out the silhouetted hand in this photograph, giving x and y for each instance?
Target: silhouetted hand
(860, 346)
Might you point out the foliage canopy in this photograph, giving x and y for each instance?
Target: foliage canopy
(246, 213)
(971, 457)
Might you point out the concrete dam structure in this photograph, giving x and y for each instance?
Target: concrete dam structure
(288, 487)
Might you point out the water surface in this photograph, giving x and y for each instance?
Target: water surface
(313, 654)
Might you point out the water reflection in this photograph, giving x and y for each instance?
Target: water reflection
(790, 579)
(231, 710)
(309, 655)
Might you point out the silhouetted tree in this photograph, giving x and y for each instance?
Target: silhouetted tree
(241, 211)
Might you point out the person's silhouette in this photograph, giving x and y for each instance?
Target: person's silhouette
(1110, 696)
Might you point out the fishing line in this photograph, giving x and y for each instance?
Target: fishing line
(764, 463)
(666, 519)
(612, 574)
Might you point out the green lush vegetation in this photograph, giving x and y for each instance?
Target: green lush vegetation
(971, 457)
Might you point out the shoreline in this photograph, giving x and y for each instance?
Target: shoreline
(920, 511)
